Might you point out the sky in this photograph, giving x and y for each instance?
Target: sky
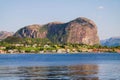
(15, 14)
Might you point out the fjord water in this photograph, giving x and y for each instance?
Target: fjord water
(97, 66)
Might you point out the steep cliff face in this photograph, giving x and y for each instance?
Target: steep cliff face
(80, 30)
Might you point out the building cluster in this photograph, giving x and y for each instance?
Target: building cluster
(48, 49)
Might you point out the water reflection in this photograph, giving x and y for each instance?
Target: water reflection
(77, 72)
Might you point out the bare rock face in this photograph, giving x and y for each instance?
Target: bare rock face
(5, 34)
(80, 31)
(31, 31)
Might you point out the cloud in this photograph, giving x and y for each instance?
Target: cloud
(100, 7)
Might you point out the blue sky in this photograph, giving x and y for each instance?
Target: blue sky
(15, 14)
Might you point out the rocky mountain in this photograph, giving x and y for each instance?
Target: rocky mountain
(80, 30)
(113, 41)
(5, 34)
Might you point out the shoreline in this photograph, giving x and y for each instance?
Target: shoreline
(69, 53)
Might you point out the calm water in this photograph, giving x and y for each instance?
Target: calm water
(60, 66)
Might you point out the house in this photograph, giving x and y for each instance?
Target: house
(46, 46)
(61, 51)
(2, 51)
(1, 47)
(10, 51)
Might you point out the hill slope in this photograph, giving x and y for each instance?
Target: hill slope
(5, 34)
(113, 41)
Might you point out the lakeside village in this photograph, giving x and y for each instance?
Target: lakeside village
(36, 45)
(55, 48)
